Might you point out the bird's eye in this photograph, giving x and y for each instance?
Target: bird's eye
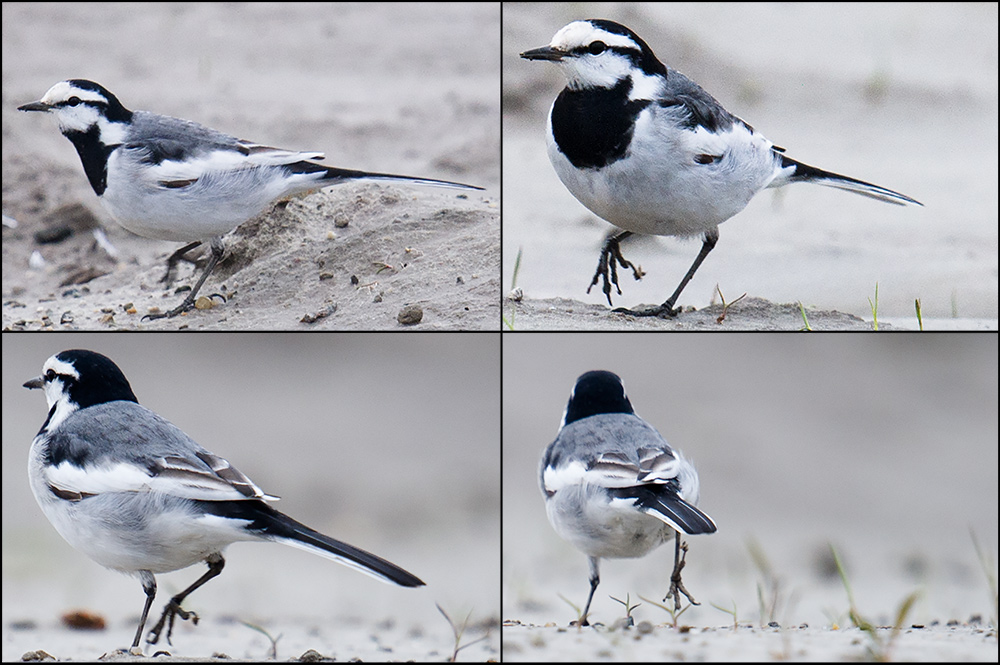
(49, 375)
(597, 48)
(73, 101)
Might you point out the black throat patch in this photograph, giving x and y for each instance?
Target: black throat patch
(593, 126)
(94, 156)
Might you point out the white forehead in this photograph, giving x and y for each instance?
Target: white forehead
(581, 33)
(64, 90)
(60, 367)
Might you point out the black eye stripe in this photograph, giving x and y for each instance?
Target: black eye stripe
(52, 375)
(601, 47)
(76, 101)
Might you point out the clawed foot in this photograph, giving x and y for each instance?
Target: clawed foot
(172, 610)
(676, 584)
(611, 258)
(664, 311)
(186, 306)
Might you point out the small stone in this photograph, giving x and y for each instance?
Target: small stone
(410, 315)
(31, 656)
(321, 314)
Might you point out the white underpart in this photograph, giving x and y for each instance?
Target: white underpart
(226, 189)
(660, 188)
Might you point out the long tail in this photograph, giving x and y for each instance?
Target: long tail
(334, 174)
(806, 173)
(266, 522)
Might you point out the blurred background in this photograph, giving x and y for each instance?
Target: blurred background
(387, 87)
(388, 442)
(883, 445)
(903, 95)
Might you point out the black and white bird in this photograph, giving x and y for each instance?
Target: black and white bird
(172, 179)
(613, 487)
(137, 495)
(646, 149)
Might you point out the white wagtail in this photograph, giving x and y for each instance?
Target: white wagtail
(137, 495)
(613, 487)
(171, 179)
(645, 148)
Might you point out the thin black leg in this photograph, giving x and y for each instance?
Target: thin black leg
(149, 586)
(666, 310)
(676, 584)
(595, 579)
(218, 250)
(173, 608)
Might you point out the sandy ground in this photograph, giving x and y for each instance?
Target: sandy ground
(410, 89)
(901, 95)
(884, 446)
(387, 442)
(747, 314)
(649, 643)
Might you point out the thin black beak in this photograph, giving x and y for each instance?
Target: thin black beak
(34, 106)
(544, 53)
